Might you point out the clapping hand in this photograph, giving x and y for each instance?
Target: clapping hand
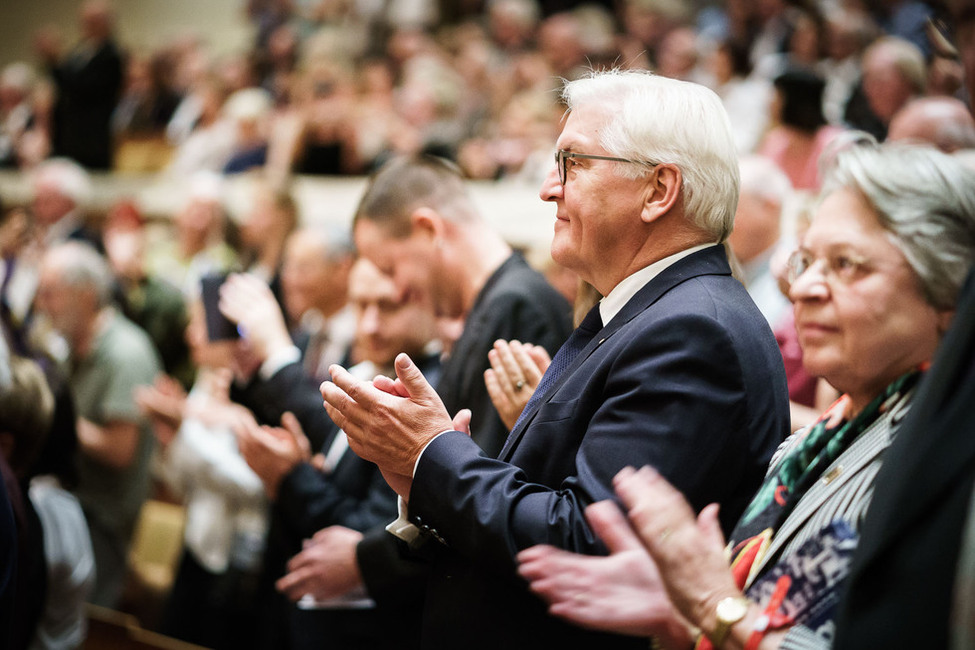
(388, 425)
(516, 368)
(618, 593)
(326, 568)
(272, 452)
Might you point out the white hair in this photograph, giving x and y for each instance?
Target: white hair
(661, 120)
(67, 177)
(79, 265)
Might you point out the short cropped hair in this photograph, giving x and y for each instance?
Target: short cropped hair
(80, 266)
(661, 120)
(68, 177)
(924, 198)
(406, 184)
(334, 242)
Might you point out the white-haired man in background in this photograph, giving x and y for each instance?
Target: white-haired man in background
(109, 357)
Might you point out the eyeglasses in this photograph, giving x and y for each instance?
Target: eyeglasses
(843, 267)
(562, 161)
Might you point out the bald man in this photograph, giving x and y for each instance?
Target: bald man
(942, 121)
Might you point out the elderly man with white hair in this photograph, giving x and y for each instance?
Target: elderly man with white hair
(109, 357)
(675, 367)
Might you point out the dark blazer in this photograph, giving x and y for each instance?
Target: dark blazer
(289, 389)
(899, 592)
(88, 91)
(687, 377)
(353, 495)
(515, 303)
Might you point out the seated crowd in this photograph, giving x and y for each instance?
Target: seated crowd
(401, 433)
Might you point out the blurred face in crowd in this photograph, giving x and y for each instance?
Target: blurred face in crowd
(69, 309)
(756, 226)
(386, 325)
(884, 85)
(309, 280)
(417, 263)
(196, 224)
(860, 314)
(263, 220)
(49, 204)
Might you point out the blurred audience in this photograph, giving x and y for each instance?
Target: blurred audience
(765, 193)
(212, 601)
(800, 132)
(200, 245)
(23, 136)
(152, 303)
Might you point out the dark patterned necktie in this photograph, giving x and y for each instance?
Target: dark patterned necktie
(578, 340)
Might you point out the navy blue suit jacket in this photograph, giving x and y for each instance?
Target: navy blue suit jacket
(687, 378)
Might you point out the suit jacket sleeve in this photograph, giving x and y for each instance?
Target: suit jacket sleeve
(354, 496)
(670, 392)
(290, 389)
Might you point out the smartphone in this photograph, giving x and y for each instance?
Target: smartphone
(219, 327)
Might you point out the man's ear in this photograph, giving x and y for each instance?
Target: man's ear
(429, 225)
(662, 193)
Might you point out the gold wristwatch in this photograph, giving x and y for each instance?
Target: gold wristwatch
(729, 611)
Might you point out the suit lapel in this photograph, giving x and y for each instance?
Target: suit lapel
(709, 261)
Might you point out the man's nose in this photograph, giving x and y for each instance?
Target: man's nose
(552, 188)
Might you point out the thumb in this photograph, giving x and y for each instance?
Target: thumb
(412, 379)
(462, 421)
(292, 426)
(612, 527)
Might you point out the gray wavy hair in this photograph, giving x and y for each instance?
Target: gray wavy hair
(925, 199)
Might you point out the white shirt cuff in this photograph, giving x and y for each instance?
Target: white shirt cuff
(402, 527)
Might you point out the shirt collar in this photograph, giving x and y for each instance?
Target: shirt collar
(630, 285)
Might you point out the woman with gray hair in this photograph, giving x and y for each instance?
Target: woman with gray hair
(874, 285)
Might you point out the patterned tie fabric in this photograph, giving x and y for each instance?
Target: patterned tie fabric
(579, 338)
